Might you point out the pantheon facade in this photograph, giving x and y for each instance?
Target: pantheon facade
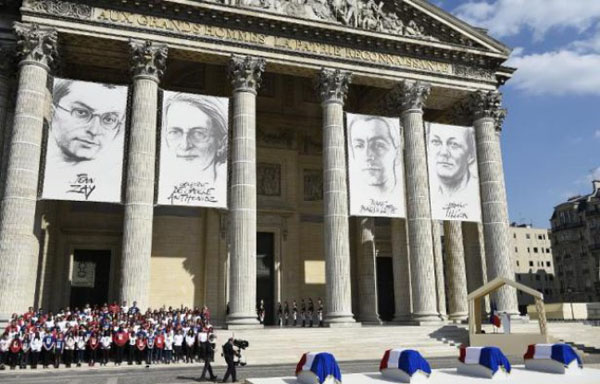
(290, 70)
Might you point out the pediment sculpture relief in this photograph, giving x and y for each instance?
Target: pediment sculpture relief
(369, 15)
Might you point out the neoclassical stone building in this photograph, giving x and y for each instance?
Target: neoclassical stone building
(291, 70)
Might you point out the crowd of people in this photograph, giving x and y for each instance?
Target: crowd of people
(108, 333)
(305, 314)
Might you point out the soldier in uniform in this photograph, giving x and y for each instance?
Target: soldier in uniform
(320, 311)
(303, 312)
(311, 311)
(286, 312)
(295, 312)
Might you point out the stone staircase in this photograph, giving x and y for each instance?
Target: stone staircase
(286, 345)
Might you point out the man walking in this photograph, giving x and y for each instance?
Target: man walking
(228, 354)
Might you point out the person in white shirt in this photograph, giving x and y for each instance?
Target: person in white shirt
(36, 349)
(105, 343)
(168, 348)
(4, 345)
(69, 349)
(190, 340)
(131, 347)
(178, 345)
(81, 342)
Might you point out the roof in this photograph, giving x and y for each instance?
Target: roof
(499, 282)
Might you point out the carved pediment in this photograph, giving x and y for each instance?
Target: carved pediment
(363, 14)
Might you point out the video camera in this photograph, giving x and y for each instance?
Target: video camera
(241, 344)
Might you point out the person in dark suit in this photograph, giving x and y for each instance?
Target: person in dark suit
(228, 354)
(209, 356)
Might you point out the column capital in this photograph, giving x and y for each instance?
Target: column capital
(408, 95)
(487, 105)
(332, 85)
(36, 45)
(148, 59)
(245, 72)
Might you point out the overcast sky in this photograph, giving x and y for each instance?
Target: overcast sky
(551, 138)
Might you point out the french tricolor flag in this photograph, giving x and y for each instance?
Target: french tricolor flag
(491, 358)
(318, 367)
(561, 353)
(407, 360)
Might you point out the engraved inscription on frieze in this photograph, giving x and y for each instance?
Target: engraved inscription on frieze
(281, 137)
(268, 179)
(313, 184)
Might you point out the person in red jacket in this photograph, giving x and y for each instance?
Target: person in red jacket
(120, 339)
(15, 350)
(140, 345)
(93, 343)
(159, 346)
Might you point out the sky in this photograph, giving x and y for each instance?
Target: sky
(551, 137)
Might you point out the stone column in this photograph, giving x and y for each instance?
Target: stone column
(367, 270)
(36, 48)
(7, 72)
(401, 269)
(488, 116)
(148, 62)
(455, 272)
(439, 268)
(332, 87)
(474, 259)
(409, 98)
(245, 73)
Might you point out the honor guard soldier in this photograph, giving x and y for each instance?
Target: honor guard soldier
(303, 312)
(295, 312)
(320, 311)
(286, 312)
(48, 345)
(311, 311)
(279, 314)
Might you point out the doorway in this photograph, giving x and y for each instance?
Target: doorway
(385, 289)
(90, 277)
(265, 277)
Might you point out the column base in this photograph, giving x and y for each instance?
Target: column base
(458, 318)
(426, 319)
(242, 321)
(370, 320)
(401, 320)
(340, 320)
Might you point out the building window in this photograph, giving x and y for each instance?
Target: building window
(542, 249)
(528, 236)
(528, 250)
(514, 235)
(516, 250)
(531, 263)
(517, 263)
(547, 250)
(548, 264)
(535, 250)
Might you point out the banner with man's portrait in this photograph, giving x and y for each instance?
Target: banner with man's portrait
(84, 151)
(375, 166)
(453, 174)
(193, 150)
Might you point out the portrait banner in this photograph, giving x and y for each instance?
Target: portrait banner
(453, 174)
(375, 166)
(193, 150)
(84, 150)
(84, 274)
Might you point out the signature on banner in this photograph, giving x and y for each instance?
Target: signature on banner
(378, 207)
(83, 184)
(455, 210)
(190, 192)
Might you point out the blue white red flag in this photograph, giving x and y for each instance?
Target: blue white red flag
(322, 364)
(494, 318)
(562, 353)
(489, 357)
(408, 360)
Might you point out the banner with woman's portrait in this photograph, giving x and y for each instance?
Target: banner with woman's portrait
(193, 150)
(375, 166)
(453, 174)
(84, 150)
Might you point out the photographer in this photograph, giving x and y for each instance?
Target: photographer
(228, 354)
